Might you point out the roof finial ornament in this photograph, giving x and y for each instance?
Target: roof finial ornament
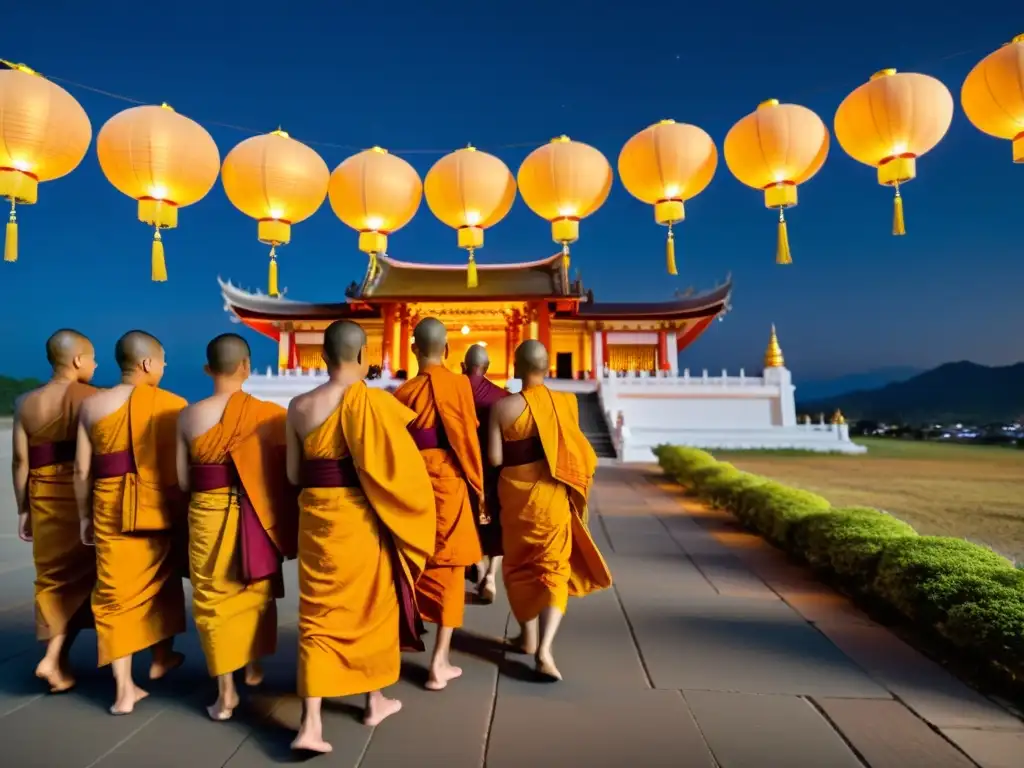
(773, 355)
(838, 418)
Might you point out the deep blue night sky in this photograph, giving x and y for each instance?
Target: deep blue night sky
(434, 76)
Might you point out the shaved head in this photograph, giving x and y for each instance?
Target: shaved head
(531, 358)
(343, 342)
(226, 354)
(430, 337)
(134, 347)
(64, 346)
(476, 359)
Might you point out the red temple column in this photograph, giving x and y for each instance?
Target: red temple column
(293, 352)
(663, 350)
(403, 338)
(387, 353)
(544, 325)
(604, 351)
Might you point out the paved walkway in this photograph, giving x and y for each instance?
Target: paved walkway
(711, 650)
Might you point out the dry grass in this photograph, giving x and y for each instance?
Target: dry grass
(972, 492)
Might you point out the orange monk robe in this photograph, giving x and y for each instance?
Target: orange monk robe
(237, 622)
(443, 403)
(351, 541)
(138, 599)
(65, 568)
(549, 554)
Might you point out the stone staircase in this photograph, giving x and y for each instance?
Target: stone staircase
(593, 424)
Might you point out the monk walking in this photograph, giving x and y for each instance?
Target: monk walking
(485, 395)
(445, 431)
(126, 488)
(45, 429)
(547, 470)
(366, 529)
(231, 460)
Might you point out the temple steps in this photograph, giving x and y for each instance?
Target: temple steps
(594, 426)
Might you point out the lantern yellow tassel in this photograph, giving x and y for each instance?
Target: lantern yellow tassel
(159, 266)
(11, 241)
(670, 253)
(472, 279)
(565, 256)
(373, 265)
(782, 255)
(272, 277)
(899, 227)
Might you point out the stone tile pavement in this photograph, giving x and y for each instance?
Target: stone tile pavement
(712, 650)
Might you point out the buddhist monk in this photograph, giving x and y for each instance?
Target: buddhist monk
(226, 461)
(128, 504)
(485, 395)
(547, 470)
(445, 430)
(45, 429)
(366, 529)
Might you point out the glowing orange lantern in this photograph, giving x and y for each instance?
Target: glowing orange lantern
(665, 165)
(163, 160)
(470, 191)
(279, 182)
(776, 148)
(889, 122)
(44, 134)
(993, 95)
(375, 193)
(565, 181)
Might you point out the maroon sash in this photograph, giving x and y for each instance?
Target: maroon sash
(49, 454)
(260, 558)
(428, 437)
(341, 473)
(516, 453)
(117, 464)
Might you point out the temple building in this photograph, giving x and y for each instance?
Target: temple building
(513, 302)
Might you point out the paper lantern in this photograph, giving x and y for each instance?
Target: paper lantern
(161, 159)
(279, 182)
(889, 122)
(776, 148)
(44, 134)
(665, 165)
(993, 95)
(375, 193)
(565, 181)
(470, 191)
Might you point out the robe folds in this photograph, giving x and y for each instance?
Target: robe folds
(544, 485)
(233, 474)
(137, 512)
(445, 430)
(366, 530)
(65, 567)
(485, 394)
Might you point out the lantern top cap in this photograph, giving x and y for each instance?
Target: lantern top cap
(167, 106)
(281, 133)
(20, 67)
(563, 139)
(768, 103)
(666, 121)
(378, 150)
(1018, 39)
(883, 73)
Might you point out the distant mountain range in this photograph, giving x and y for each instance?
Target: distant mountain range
(856, 382)
(954, 392)
(11, 390)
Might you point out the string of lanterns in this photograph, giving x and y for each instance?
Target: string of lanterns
(166, 161)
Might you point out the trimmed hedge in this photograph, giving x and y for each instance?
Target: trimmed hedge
(966, 592)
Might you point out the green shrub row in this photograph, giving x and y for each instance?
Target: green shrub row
(967, 593)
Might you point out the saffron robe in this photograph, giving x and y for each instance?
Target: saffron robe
(237, 622)
(445, 428)
(359, 541)
(485, 394)
(544, 485)
(138, 600)
(65, 567)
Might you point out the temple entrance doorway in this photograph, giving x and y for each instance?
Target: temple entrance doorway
(563, 365)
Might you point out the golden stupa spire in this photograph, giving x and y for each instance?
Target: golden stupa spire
(773, 355)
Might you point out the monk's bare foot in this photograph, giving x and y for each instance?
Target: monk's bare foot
(58, 680)
(520, 644)
(222, 709)
(487, 590)
(125, 705)
(441, 676)
(253, 674)
(380, 710)
(167, 663)
(311, 742)
(546, 667)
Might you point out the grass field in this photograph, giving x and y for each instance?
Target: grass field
(975, 492)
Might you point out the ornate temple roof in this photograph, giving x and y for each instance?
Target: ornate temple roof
(684, 306)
